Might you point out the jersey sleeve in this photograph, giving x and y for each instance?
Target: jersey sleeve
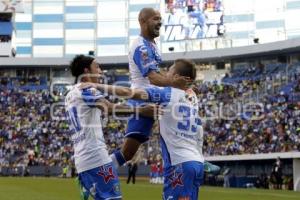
(145, 60)
(159, 94)
(91, 96)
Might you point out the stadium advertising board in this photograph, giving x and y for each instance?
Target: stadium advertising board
(193, 19)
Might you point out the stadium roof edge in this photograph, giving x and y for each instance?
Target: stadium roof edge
(266, 156)
(287, 46)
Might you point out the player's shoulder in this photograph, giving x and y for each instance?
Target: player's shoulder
(139, 44)
(183, 93)
(72, 94)
(136, 42)
(177, 90)
(89, 94)
(77, 92)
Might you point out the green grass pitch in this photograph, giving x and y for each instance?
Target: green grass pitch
(66, 189)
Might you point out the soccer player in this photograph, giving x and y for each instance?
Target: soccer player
(144, 59)
(180, 129)
(96, 173)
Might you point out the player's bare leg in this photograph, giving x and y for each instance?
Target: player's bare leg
(126, 153)
(129, 148)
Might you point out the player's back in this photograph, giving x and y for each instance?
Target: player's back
(143, 57)
(87, 137)
(180, 129)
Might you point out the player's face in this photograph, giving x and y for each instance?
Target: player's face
(153, 24)
(95, 72)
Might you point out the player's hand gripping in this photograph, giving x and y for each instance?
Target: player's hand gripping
(181, 82)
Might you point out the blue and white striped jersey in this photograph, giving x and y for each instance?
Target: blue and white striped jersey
(144, 57)
(90, 150)
(180, 126)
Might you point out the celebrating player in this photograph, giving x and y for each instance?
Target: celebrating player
(180, 129)
(97, 175)
(144, 60)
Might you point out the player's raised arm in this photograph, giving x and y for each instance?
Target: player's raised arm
(124, 92)
(108, 108)
(153, 94)
(159, 79)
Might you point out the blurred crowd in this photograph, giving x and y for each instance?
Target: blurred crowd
(30, 135)
(34, 132)
(251, 116)
(273, 126)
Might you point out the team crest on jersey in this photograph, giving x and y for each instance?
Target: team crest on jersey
(190, 96)
(107, 173)
(144, 53)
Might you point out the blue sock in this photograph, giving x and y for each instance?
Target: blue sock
(118, 158)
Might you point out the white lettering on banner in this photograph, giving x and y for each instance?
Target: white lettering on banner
(174, 32)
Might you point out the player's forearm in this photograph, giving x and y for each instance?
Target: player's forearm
(122, 109)
(159, 80)
(114, 90)
(123, 92)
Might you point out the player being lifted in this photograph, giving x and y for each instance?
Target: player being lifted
(180, 129)
(144, 60)
(85, 107)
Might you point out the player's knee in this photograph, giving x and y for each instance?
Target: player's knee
(129, 148)
(128, 153)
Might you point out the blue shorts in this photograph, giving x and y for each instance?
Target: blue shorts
(182, 181)
(155, 175)
(151, 174)
(139, 127)
(102, 183)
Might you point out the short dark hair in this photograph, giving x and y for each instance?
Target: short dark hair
(185, 68)
(79, 63)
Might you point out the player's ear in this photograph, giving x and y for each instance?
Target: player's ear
(86, 70)
(176, 75)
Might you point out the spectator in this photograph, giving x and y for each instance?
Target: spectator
(132, 169)
(277, 172)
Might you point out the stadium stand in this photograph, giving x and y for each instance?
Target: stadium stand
(30, 138)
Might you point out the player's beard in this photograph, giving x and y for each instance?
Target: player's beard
(155, 31)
